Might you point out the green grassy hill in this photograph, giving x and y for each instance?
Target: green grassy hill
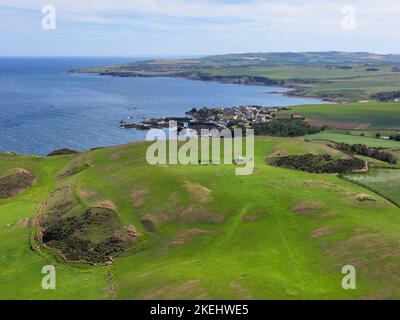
(202, 232)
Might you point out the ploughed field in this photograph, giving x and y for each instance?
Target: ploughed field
(130, 230)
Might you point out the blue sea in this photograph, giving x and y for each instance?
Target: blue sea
(43, 107)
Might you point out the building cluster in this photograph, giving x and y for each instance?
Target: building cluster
(213, 118)
(238, 116)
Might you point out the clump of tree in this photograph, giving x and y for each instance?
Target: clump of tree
(386, 96)
(363, 150)
(62, 152)
(395, 137)
(286, 128)
(319, 163)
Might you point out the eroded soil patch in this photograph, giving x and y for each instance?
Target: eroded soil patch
(15, 184)
(198, 192)
(148, 224)
(94, 235)
(185, 235)
(199, 214)
(191, 289)
(139, 197)
(74, 167)
(375, 258)
(306, 207)
(318, 233)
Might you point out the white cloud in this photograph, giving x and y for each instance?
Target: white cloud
(301, 12)
(248, 22)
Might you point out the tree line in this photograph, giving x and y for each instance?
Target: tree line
(319, 163)
(386, 96)
(364, 150)
(285, 128)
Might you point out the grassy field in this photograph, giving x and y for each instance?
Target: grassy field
(354, 139)
(371, 115)
(383, 181)
(336, 76)
(272, 235)
(342, 85)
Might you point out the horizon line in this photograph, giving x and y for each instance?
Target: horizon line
(184, 55)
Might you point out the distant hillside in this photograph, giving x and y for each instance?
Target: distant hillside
(332, 58)
(333, 76)
(304, 58)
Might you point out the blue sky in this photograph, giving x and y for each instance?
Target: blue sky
(196, 27)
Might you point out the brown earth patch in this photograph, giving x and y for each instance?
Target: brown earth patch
(107, 204)
(364, 200)
(197, 214)
(184, 235)
(190, 289)
(23, 223)
(380, 294)
(94, 197)
(139, 197)
(74, 167)
(111, 291)
(327, 214)
(373, 255)
(86, 193)
(363, 197)
(322, 185)
(305, 207)
(173, 199)
(243, 293)
(15, 184)
(254, 215)
(251, 217)
(317, 233)
(277, 152)
(148, 224)
(198, 192)
(148, 273)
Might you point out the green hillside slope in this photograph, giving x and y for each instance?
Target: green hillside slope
(203, 232)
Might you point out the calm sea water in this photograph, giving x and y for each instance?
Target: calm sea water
(43, 108)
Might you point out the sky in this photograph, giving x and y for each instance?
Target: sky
(196, 27)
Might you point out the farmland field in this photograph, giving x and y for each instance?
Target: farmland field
(353, 139)
(384, 181)
(333, 76)
(372, 115)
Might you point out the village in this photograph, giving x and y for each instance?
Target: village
(244, 117)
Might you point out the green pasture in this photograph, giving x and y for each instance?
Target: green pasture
(276, 234)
